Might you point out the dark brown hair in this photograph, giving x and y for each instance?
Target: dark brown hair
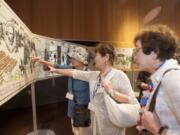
(160, 39)
(106, 48)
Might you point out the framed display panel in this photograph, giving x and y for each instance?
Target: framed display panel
(53, 50)
(47, 49)
(124, 58)
(16, 70)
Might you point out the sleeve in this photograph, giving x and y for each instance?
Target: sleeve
(124, 87)
(171, 87)
(62, 66)
(83, 75)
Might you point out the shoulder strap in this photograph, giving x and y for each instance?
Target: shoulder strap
(110, 75)
(72, 88)
(153, 100)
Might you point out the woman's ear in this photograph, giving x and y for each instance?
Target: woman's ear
(107, 57)
(154, 55)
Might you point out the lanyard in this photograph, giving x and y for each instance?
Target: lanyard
(146, 94)
(98, 83)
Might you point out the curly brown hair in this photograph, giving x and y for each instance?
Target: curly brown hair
(160, 39)
(106, 48)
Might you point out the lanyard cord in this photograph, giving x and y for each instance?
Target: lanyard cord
(146, 93)
(98, 83)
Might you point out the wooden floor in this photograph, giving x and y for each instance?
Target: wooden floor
(19, 122)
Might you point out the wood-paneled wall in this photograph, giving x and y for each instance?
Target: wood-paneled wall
(169, 14)
(94, 20)
(23, 9)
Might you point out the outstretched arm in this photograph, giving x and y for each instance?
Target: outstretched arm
(37, 59)
(65, 72)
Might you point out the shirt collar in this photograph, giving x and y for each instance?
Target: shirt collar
(168, 64)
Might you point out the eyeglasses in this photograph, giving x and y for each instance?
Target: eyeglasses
(137, 50)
